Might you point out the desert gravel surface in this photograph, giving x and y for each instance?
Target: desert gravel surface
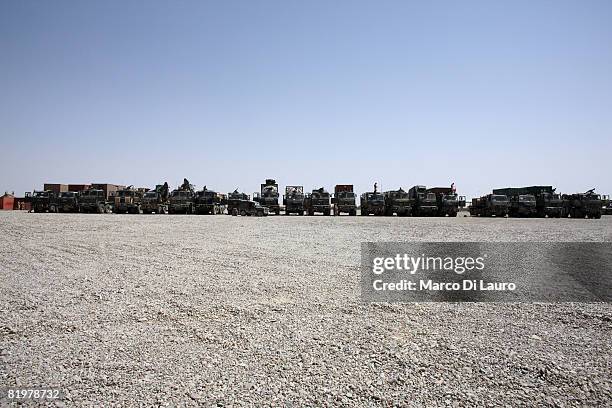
(219, 310)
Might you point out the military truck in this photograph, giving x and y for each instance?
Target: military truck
(424, 204)
(128, 200)
(44, 201)
(234, 201)
(318, 202)
(248, 208)
(397, 202)
(268, 196)
(372, 202)
(182, 199)
(448, 200)
(491, 205)
(94, 201)
(293, 200)
(344, 200)
(68, 202)
(606, 205)
(156, 200)
(210, 202)
(582, 205)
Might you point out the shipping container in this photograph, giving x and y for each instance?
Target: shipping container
(56, 188)
(78, 187)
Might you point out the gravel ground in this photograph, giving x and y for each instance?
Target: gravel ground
(203, 310)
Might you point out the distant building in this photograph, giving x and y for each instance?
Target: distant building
(7, 201)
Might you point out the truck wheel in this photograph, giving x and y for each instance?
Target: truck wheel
(234, 212)
(52, 208)
(243, 213)
(260, 213)
(353, 213)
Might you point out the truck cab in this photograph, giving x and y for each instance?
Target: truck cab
(522, 205)
(94, 201)
(293, 200)
(68, 202)
(372, 202)
(424, 203)
(397, 202)
(319, 201)
(209, 202)
(181, 202)
(344, 200)
(268, 196)
(44, 201)
(128, 200)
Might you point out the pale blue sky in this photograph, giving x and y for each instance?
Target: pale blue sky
(227, 93)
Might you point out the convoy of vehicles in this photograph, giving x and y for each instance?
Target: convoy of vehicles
(319, 201)
(533, 201)
(293, 200)
(344, 200)
(268, 196)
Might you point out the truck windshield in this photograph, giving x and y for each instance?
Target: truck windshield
(150, 194)
(499, 198)
(346, 194)
(526, 198)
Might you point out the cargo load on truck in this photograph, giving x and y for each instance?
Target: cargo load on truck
(268, 196)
